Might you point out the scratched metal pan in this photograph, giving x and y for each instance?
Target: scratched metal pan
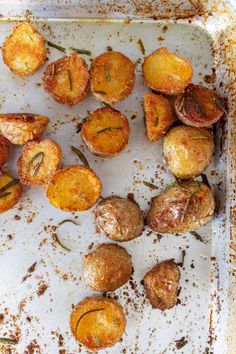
(35, 303)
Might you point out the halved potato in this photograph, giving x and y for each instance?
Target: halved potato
(98, 322)
(112, 77)
(24, 51)
(4, 150)
(74, 188)
(10, 191)
(66, 79)
(38, 161)
(19, 128)
(167, 72)
(106, 132)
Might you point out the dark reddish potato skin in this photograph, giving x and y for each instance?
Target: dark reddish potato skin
(4, 150)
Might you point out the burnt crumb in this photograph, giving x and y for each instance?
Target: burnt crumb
(159, 237)
(17, 217)
(180, 343)
(62, 351)
(28, 318)
(90, 246)
(104, 294)
(60, 340)
(79, 127)
(29, 272)
(213, 259)
(10, 237)
(130, 196)
(33, 348)
(134, 116)
(142, 282)
(42, 288)
(149, 233)
(160, 38)
(192, 265)
(1, 317)
(164, 29)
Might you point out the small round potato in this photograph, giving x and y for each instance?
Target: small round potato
(161, 285)
(24, 51)
(38, 161)
(106, 132)
(10, 191)
(74, 188)
(182, 207)
(107, 268)
(188, 150)
(167, 72)
(97, 322)
(112, 77)
(66, 79)
(19, 128)
(120, 219)
(4, 150)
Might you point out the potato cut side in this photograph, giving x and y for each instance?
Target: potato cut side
(4, 150)
(66, 79)
(24, 51)
(74, 188)
(10, 191)
(98, 322)
(167, 72)
(106, 132)
(112, 77)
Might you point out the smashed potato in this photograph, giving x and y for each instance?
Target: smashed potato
(98, 322)
(167, 72)
(74, 188)
(38, 161)
(10, 191)
(24, 51)
(4, 150)
(112, 77)
(106, 132)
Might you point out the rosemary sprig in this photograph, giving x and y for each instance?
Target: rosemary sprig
(97, 341)
(8, 341)
(108, 129)
(86, 313)
(107, 72)
(40, 157)
(197, 236)
(205, 180)
(141, 46)
(70, 79)
(60, 243)
(81, 51)
(150, 185)
(67, 220)
(8, 185)
(56, 46)
(80, 155)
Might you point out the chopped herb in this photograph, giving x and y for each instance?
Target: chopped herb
(109, 48)
(183, 257)
(205, 180)
(108, 129)
(70, 80)
(84, 314)
(100, 92)
(8, 185)
(180, 343)
(141, 46)
(80, 155)
(97, 341)
(38, 84)
(67, 220)
(79, 127)
(4, 195)
(81, 51)
(107, 73)
(56, 46)
(104, 104)
(197, 236)
(61, 244)
(150, 185)
(40, 157)
(8, 341)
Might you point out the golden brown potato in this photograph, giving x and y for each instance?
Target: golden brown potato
(158, 116)
(167, 72)
(161, 284)
(4, 150)
(98, 322)
(19, 128)
(74, 188)
(188, 150)
(66, 79)
(24, 51)
(106, 132)
(112, 77)
(38, 161)
(120, 219)
(10, 191)
(183, 206)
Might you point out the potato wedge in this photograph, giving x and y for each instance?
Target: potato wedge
(4, 150)
(19, 128)
(10, 191)
(24, 51)
(74, 188)
(112, 77)
(97, 322)
(66, 79)
(106, 132)
(167, 72)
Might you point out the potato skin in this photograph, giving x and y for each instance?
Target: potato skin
(188, 150)
(161, 285)
(11, 195)
(120, 219)
(183, 206)
(4, 150)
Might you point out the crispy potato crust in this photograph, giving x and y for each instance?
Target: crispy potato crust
(38, 161)
(161, 284)
(98, 322)
(112, 77)
(4, 150)
(9, 196)
(66, 79)
(74, 188)
(24, 51)
(167, 72)
(158, 116)
(106, 132)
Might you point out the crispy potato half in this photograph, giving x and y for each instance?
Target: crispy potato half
(167, 72)
(19, 128)
(74, 188)
(38, 161)
(98, 322)
(112, 77)
(106, 132)
(4, 150)
(158, 116)
(10, 191)
(66, 79)
(24, 51)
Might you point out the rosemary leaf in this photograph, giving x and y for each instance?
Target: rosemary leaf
(108, 129)
(97, 341)
(4, 195)
(100, 92)
(86, 313)
(150, 185)
(79, 127)
(81, 51)
(40, 157)
(107, 73)
(205, 180)
(104, 104)
(67, 220)
(156, 118)
(56, 46)
(197, 236)
(8, 341)
(80, 155)
(60, 243)
(8, 185)
(70, 79)
(141, 46)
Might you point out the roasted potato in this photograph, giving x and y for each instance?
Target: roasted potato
(158, 116)
(167, 72)
(10, 191)
(73, 188)
(112, 77)
(183, 206)
(19, 128)
(66, 79)
(120, 219)
(4, 150)
(188, 150)
(24, 51)
(38, 161)
(106, 132)
(161, 285)
(98, 322)
(198, 106)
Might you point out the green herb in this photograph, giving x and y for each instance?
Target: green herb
(81, 51)
(205, 180)
(109, 48)
(8, 341)
(8, 185)
(180, 343)
(84, 314)
(70, 80)
(67, 220)
(38, 84)
(108, 129)
(107, 73)
(4, 195)
(141, 46)
(80, 155)
(60, 243)
(40, 157)
(104, 104)
(56, 46)
(150, 185)
(197, 236)
(79, 127)
(97, 341)
(100, 92)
